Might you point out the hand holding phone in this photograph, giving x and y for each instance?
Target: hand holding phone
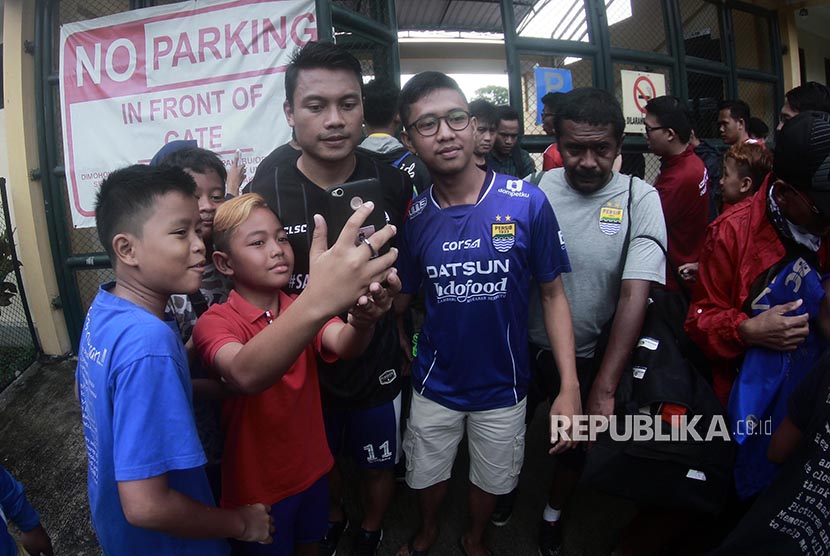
(345, 199)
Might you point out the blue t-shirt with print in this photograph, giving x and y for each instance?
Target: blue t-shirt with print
(476, 263)
(136, 403)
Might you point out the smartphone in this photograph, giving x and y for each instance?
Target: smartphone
(346, 198)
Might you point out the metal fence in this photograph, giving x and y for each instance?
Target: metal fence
(689, 42)
(19, 346)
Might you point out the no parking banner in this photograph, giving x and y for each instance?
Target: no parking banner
(210, 70)
(638, 88)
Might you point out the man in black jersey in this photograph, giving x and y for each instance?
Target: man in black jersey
(361, 398)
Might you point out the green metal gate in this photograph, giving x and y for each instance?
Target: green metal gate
(708, 51)
(694, 43)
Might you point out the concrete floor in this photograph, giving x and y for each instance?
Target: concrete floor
(43, 447)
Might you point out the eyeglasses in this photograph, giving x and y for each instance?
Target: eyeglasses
(649, 129)
(428, 125)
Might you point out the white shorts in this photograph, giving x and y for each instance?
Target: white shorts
(496, 440)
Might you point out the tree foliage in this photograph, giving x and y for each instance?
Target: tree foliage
(496, 94)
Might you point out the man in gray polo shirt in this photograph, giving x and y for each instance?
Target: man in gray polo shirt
(611, 275)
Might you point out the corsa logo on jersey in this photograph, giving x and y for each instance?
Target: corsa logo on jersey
(461, 244)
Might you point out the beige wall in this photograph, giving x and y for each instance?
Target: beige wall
(816, 49)
(21, 152)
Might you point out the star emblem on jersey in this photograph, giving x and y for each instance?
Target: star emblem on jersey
(503, 235)
(610, 218)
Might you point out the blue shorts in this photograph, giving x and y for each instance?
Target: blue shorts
(299, 519)
(372, 437)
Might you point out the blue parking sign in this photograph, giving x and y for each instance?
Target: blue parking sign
(550, 80)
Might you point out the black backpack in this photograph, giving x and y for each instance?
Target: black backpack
(666, 367)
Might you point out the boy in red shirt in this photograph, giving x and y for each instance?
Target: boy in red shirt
(263, 344)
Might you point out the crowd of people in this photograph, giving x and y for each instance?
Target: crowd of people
(239, 357)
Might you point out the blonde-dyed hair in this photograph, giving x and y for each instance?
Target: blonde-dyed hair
(754, 161)
(230, 215)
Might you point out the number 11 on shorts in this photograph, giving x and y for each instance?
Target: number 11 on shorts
(385, 452)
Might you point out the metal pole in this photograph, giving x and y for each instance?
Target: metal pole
(7, 217)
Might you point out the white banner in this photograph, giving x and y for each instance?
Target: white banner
(210, 70)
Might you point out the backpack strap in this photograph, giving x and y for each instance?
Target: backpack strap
(536, 177)
(627, 239)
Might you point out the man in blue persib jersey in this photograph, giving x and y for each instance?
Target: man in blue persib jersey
(474, 241)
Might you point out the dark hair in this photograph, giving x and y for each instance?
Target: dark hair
(380, 102)
(197, 160)
(590, 106)
(128, 196)
(420, 86)
(484, 111)
(553, 100)
(671, 113)
(738, 110)
(810, 96)
(757, 128)
(319, 55)
(507, 112)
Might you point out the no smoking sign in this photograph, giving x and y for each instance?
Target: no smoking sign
(638, 88)
(644, 91)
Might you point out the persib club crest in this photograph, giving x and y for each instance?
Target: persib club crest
(610, 219)
(503, 236)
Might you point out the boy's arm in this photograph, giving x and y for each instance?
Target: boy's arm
(36, 541)
(559, 327)
(337, 277)
(351, 339)
(152, 504)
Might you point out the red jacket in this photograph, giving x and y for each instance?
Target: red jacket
(551, 158)
(741, 245)
(683, 187)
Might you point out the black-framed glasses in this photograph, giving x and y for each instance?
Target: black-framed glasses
(649, 129)
(428, 125)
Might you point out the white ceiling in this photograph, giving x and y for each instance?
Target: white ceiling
(817, 20)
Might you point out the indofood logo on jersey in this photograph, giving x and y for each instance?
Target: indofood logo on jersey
(470, 281)
(610, 218)
(503, 234)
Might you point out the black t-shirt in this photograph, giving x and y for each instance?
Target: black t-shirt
(792, 517)
(265, 171)
(374, 377)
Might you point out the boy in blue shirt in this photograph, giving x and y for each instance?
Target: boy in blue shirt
(148, 491)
